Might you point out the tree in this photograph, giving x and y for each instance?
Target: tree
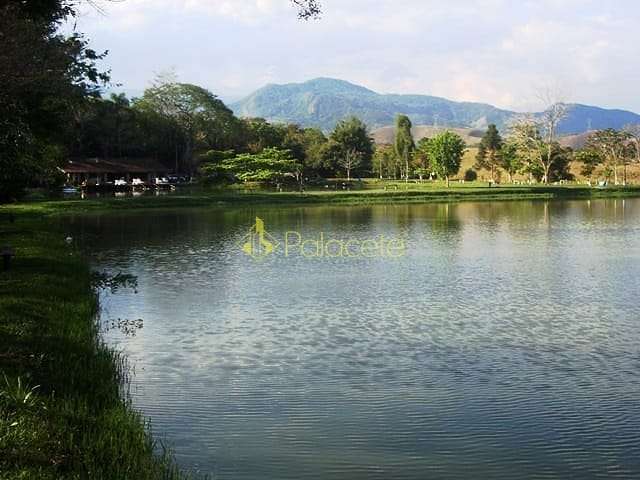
(44, 78)
(560, 161)
(548, 124)
(350, 145)
(537, 135)
(202, 117)
(612, 145)
(590, 159)
(525, 134)
(308, 9)
(383, 160)
(404, 144)
(445, 154)
(421, 162)
(314, 142)
(633, 131)
(260, 134)
(488, 156)
(272, 164)
(509, 159)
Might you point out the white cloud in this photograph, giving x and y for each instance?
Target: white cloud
(494, 51)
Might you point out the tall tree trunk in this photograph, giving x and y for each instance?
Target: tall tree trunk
(447, 177)
(545, 178)
(406, 167)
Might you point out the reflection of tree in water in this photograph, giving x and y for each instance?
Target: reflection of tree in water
(113, 283)
(609, 210)
(126, 326)
(511, 214)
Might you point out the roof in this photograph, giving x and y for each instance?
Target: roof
(96, 165)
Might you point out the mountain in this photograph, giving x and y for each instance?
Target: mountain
(323, 102)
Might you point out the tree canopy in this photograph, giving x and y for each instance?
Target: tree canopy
(488, 156)
(350, 147)
(445, 152)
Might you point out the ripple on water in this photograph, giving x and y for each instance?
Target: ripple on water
(504, 345)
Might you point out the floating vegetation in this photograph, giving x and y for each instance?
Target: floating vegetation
(125, 326)
(105, 281)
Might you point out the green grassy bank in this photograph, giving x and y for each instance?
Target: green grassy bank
(61, 412)
(395, 193)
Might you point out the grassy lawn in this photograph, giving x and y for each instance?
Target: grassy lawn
(367, 192)
(61, 413)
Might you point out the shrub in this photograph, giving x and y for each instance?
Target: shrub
(470, 175)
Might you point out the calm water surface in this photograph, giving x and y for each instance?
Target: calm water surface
(504, 344)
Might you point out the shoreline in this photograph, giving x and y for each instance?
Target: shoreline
(230, 198)
(63, 413)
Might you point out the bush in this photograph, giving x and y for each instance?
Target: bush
(470, 175)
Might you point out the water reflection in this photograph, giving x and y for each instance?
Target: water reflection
(505, 342)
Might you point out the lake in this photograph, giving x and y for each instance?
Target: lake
(499, 340)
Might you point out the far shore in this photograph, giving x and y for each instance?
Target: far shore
(392, 193)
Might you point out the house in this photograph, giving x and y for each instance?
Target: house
(98, 171)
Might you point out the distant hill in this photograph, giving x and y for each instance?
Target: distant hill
(387, 134)
(323, 102)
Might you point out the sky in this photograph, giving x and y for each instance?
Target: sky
(500, 52)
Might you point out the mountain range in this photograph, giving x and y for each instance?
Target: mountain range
(323, 102)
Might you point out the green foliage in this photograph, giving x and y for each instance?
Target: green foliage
(384, 161)
(470, 175)
(590, 159)
(260, 134)
(203, 120)
(16, 395)
(211, 165)
(613, 146)
(37, 104)
(350, 147)
(488, 156)
(272, 164)
(420, 159)
(61, 413)
(560, 161)
(404, 144)
(510, 159)
(445, 152)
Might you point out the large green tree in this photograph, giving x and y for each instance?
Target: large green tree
(44, 78)
(350, 146)
(488, 156)
(421, 163)
(510, 160)
(404, 144)
(445, 154)
(270, 165)
(204, 120)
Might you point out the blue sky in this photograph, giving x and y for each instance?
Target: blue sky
(495, 51)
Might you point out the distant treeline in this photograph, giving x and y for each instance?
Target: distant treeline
(52, 110)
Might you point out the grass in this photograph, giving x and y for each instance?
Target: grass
(369, 192)
(62, 413)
